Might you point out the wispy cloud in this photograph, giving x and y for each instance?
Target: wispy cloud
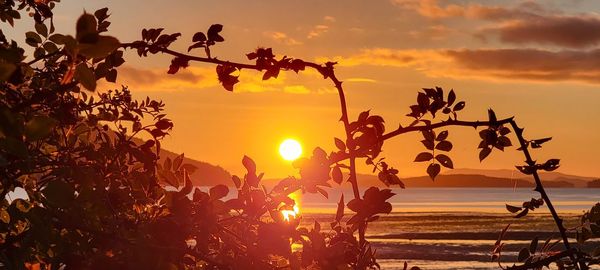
(139, 79)
(499, 64)
(565, 31)
(318, 30)
(282, 38)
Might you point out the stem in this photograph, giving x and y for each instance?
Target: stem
(449, 122)
(544, 262)
(539, 187)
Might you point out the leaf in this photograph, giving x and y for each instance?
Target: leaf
(32, 38)
(103, 47)
(213, 33)
(424, 156)
(451, 97)
(85, 76)
(513, 209)
(445, 161)
(340, 209)
(6, 70)
(59, 193)
(533, 245)
(249, 165)
(39, 127)
(484, 153)
(459, 106)
(428, 135)
(218, 192)
(86, 28)
(199, 37)
(225, 77)
(444, 146)
(237, 181)
(433, 170)
(523, 255)
(522, 213)
(442, 136)
(428, 144)
(41, 29)
(551, 165)
(336, 175)
(340, 144)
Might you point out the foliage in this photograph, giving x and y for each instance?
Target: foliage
(97, 199)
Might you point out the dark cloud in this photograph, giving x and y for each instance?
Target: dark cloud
(531, 64)
(572, 32)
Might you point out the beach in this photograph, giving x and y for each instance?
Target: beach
(456, 228)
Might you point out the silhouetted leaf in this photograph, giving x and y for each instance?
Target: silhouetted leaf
(424, 156)
(340, 144)
(451, 97)
(218, 192)
(428, 144)
(237, 181)
(445, 161)
(459, 106)
(249, 165)
(484, 153)
(433, 170)
(59, 193)
(442, 136)
(85, 76)
(522, 213)
(213, 33)
(523, 255)
(533, 245)
(39, 127)
(199, 37)
(336, 175)
(86, 28)
(526, 169)
(444, 146)
(513, 209)
(340, 209)
(551, 165)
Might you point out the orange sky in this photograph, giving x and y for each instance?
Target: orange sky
(539, 61)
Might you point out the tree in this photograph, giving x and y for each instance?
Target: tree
(97, 199)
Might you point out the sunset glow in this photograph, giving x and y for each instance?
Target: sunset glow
(290, 149)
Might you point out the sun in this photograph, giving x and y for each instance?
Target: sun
(290, 149)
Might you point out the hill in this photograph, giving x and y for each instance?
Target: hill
(206, 174)
(463, 180)
(576, 180)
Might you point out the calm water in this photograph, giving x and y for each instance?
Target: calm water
(452, 228)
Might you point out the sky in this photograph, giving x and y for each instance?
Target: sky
(536, 60)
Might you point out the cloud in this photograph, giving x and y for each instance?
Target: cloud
(282, 38)
(433, 9)
(530, 64)
(498, 64)
(318, 30)
(329, 19)
(565, 31)
(139, 79)
(524, 23)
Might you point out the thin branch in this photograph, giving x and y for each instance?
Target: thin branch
(539, 187)
(449, 122)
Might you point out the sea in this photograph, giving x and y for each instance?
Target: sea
(456, 228)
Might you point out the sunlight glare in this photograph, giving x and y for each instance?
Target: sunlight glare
(290, 149)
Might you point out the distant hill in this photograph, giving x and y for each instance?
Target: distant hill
(206, 174)
(576, 180)
(594, 184)
(463, 180)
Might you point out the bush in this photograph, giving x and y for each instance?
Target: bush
(99, 199)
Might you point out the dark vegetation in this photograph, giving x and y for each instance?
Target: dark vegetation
(96, 198)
